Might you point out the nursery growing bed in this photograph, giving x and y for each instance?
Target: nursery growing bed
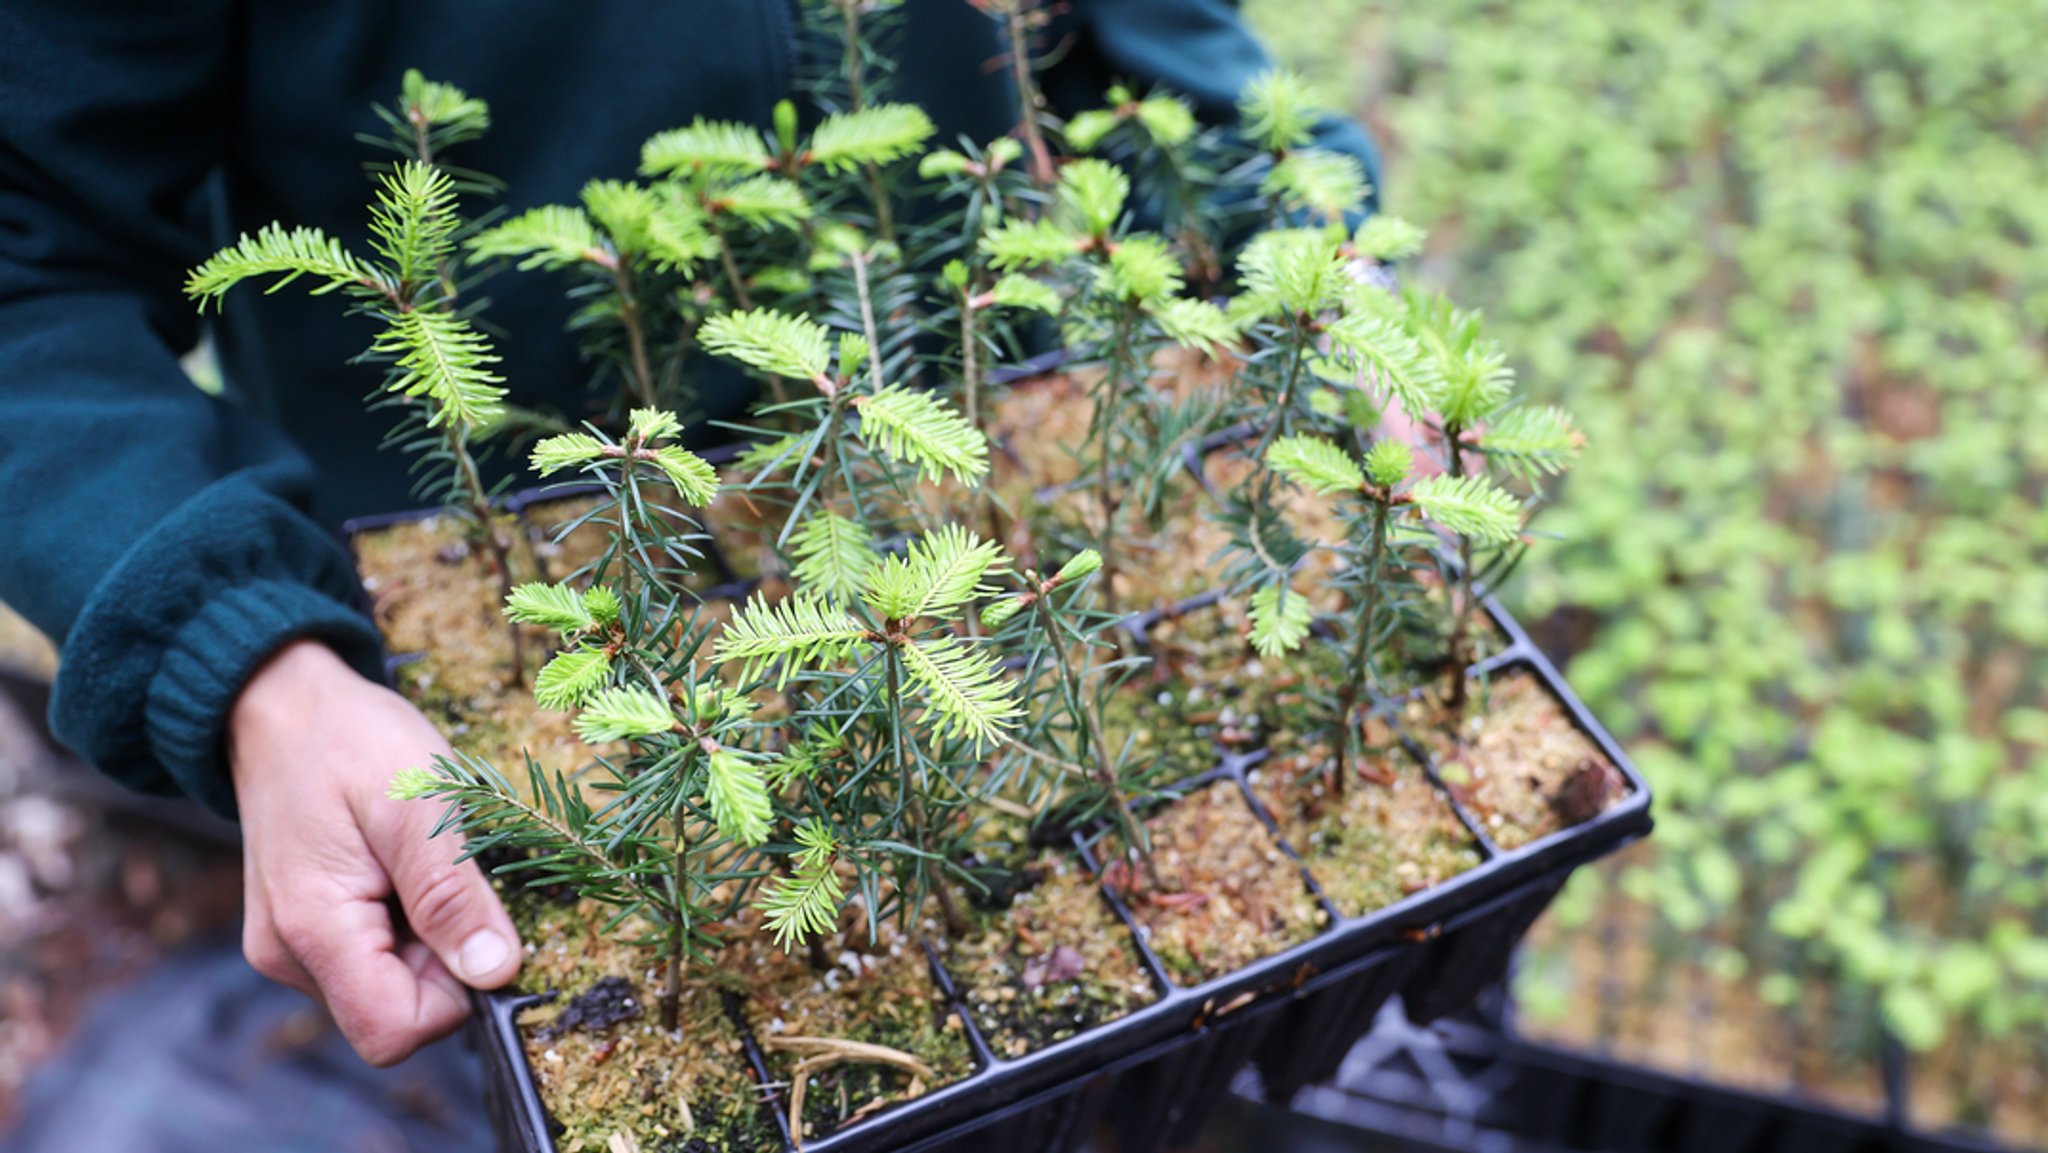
(1154, 1072)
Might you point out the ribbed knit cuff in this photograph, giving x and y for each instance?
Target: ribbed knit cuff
(213, 656)
(168, 638)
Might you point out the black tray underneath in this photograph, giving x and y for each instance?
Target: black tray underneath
(1462, 1085)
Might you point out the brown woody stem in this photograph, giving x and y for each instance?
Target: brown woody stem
(1027, 96)
(641, 379)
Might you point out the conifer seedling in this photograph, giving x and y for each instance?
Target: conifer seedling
(1051, 621)
(441, 366)
(670, 849)
(894, 635)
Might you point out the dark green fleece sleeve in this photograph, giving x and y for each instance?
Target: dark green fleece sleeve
(157, 533)
(1201, 49)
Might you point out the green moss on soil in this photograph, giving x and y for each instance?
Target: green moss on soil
(1164, 724)
(666, 1090)
(1207, 681)
(1232, 895)
(1054, 964)
(880, 994)
(1184, 703)
(1390, 834)
(1378, 843)
(1517, 761)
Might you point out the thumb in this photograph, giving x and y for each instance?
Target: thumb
(455, 912)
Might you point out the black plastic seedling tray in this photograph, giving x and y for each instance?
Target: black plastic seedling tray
(1155, 1075)
(1589, 1102)
(1522, 1095)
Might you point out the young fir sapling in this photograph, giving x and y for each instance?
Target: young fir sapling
(1047, 616)
(1171, 161)
(897, 634)
(976, 293)
(630, 248)
(1414, 351)
(440, 363)
(1372, 562)
(648, 542)
(850, 90)
(732, 170)
(671, 850)
(982, 189)
(987, 314)
(984, 314)
(1456, 383)
(1023, 23)
(721, 193)
(1296, 283)
(1293, 280)
(1123, 304)
(1332, 349)
(1302, 183)
(1312, 367)
(858, 437)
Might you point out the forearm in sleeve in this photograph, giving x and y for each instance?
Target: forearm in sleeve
(155, 532)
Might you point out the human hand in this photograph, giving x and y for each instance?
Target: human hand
(313, 746)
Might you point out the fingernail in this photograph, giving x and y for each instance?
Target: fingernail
(483, 954)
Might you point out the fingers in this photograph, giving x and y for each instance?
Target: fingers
(453, 910)
(449, 906)
(387, 1001)
(327, 850)
(268, 954)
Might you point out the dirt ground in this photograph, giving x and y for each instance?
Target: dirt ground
(94, 885)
